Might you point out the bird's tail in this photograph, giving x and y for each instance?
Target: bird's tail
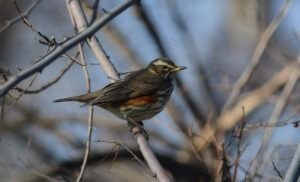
(75, 98)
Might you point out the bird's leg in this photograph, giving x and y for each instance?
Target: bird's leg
(136, 127)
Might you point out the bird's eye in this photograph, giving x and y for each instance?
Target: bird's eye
(166, 68)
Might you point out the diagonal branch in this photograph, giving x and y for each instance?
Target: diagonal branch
(11, 22)
(250, 102)
(258, 52)
(62, 48)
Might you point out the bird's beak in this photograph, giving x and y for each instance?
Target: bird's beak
(178, 68)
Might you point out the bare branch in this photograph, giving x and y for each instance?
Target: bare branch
(255, 98)
(261, 45)
(21, 94)
(11, 22)
(90, 117)
(47, 85)
(62, 48)
(251, 101)
(239, 151)
(126, 148)
(279, 107)
(72, 7)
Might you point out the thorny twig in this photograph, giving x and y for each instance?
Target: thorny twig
(78, 61)
(62, 48)
(50, 42)
(47, 85)
(9, 23)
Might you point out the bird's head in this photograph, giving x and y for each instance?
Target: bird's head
(164, 67)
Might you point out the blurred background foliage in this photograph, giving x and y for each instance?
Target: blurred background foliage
(41, 140)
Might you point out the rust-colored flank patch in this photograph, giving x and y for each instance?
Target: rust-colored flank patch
(139, 101)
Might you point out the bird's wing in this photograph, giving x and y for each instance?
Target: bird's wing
(134, 85)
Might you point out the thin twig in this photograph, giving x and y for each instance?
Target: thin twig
(38, 173)
(126, 148)
(239, 150)
(21, 94)
(11, 22)
(95, 12)
(90, 117)
(258, 52)
(266, 125)
(78, 61)
(47, 85)
(62, 48)
(277, 170)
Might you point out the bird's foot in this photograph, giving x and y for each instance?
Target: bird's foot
(137, 127)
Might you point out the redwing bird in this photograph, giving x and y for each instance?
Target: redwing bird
(139, 96)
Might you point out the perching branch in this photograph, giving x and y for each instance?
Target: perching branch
(94, 44)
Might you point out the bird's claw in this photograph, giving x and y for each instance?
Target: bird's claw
(136, 128)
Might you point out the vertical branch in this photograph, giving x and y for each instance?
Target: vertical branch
(91, 108)
(90, 117)
(94, 44)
